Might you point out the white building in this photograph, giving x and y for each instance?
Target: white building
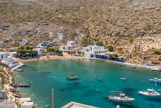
(77, 105)
(41, 50)
(24, 42)
(1, 43)
(0, 80)
(3, 55)
(13, 54)
(27, 105)
(43, 44)
(92, 51)
(8, 59)
(70, 44)
(68, 48)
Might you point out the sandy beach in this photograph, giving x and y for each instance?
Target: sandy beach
(54, 57)
(51, 57)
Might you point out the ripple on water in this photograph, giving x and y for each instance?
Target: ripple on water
(128, 91)
(45, 73)
(91, 92)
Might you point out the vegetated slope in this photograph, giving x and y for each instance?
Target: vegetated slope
(133, 27)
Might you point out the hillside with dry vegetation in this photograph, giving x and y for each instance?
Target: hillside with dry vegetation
(133, 27)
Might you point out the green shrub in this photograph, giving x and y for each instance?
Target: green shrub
(22, 47)
(99, 43)
(116, 55)
(71, 52)
(131, 40)
(54, 50)
(111, 55)
(157, 52)
(110, 48)
(29, 47)
(79, 52)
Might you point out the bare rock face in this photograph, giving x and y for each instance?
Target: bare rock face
(156, 61)
(160, 58)
(132, 27)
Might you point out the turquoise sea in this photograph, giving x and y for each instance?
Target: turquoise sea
(87, 90)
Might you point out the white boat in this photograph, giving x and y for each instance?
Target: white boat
(156, 80)
(118, 106)
(123, 78)
(121, 98)
(150, 93)
(133, 66)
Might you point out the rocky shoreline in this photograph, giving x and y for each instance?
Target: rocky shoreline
(44, 58)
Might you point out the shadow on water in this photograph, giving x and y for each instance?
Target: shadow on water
(91, 92)
(105, 99)
(45, 73)
(154, 99)
(73, 84)
(125, 105)
(151, 105)
(30, 68)
(128, 91)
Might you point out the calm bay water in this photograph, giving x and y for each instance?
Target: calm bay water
(87, 90)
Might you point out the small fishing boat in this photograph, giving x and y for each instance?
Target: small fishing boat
(118, 106)
(19, 70)
(133, 66)
(72, 77)
(155, 80)
(24, 85)
(100, 79)
(123, 78)
(150, 93)
(121, 98)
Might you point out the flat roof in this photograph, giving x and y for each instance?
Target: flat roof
(77, 105)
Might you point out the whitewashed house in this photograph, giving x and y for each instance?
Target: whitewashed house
(27, 105)
(43, 44)
(70, 47)
(0, 84)
(5, 58)
(0, 80)
(41, 50)
(1, 43)
(92, 51)
(8, 60)
(13, 54)
(24, 42)
(71, 44)
(77, 105)
(3, 55)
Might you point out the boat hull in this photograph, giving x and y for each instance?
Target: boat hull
(155, 81)
(119, 100)
(70, 78)
(149, 95)
(23, 85)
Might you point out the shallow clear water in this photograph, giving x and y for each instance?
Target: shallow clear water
(86, 90)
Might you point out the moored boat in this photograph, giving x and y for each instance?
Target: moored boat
(100, 79)
(149, 93)
(19, 70)
(24, 85)
(121, 98)
(133, 66)
(72, 77)
(156, 80)
(123, 78)
(118, 106)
